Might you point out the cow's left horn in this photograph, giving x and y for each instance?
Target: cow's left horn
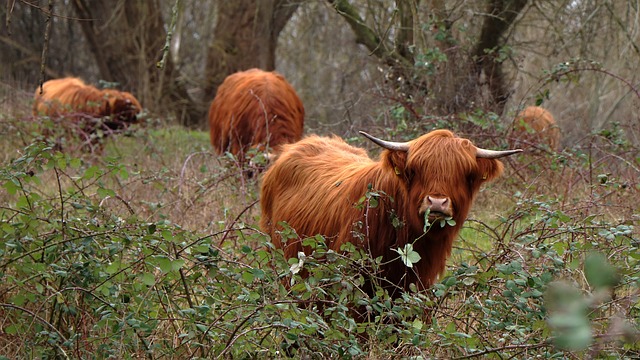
(494, 154)
(391, 145)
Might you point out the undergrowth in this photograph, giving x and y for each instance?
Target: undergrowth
(153, 250)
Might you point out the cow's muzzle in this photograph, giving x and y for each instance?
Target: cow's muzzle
(439, 207)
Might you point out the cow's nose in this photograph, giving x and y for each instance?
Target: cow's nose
(439, 205)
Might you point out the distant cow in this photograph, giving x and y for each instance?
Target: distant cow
(314, 184)
(108, 110)
(255, 109)
(535, 126)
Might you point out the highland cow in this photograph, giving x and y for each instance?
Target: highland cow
(314, 184)
(255, 109)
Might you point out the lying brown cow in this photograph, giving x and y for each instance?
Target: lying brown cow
(255, 109)
(314, 184)
(535, 126)
(107, 110)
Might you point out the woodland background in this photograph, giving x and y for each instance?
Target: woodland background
(151, 247)
(349, 60)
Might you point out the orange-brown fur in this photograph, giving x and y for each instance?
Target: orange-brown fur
(535, 126)
(314, 184)
(254, 108)
(72, 96)
(89, 108)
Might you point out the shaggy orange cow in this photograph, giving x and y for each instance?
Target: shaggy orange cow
(255, 109)
(108, 110)
(535, 126)
(314, 184)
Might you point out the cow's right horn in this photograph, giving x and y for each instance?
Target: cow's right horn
(494, 154)
(391, 145)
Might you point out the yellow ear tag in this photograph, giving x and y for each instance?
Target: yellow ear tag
(398, 172)
(484, 177)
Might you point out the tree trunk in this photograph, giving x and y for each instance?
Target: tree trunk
(245, 36)
(501, 15)
(463, 80)
(126, 39)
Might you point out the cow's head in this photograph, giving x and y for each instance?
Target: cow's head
(122, 106)
(442, 173)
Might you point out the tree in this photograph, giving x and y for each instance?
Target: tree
(246, 36)
(405, 47)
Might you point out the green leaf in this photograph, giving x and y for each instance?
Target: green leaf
(202, 328)
(12, 186)
(11, 330)
(148, 279)
(177, 264)
(103, 193)
(599, 272)
(426, 221)
(75, 163)
(247, 276)
(408, 255)
(164, 264)
(113, 268)
(167, 235)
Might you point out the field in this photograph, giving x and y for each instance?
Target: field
(151, 249)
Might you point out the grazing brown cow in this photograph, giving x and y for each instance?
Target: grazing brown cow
(108, 110)
(255, 109)
(314, 184)
(535, 126)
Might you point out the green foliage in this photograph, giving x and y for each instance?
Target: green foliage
(429, 61)
(84, 278)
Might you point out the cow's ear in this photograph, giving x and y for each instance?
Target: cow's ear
(397, 162)
(489, 169)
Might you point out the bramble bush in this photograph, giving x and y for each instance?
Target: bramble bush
(103, 259)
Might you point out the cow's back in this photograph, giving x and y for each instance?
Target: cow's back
(306, 181)
(536, 125)
(254, 108)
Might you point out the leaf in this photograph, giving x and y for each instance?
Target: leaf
(247, 276)
(75, 163)
(12, 186)
(408, 255)
(103, 193)
(599, 272)
(296, 267)
(202, 328)
(177, 264)
(11, 330)
(164, 263)
(148, 279)
(426, 221)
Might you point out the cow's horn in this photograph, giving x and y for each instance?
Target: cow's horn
(494, 154)
(391, 145)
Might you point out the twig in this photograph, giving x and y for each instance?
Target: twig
(230, 226)
(172, 27)
(507, 347)
(43, 321)
(45, 49)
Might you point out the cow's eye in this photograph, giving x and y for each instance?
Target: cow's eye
(471, 179)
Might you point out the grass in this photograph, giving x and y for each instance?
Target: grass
(151, 249)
